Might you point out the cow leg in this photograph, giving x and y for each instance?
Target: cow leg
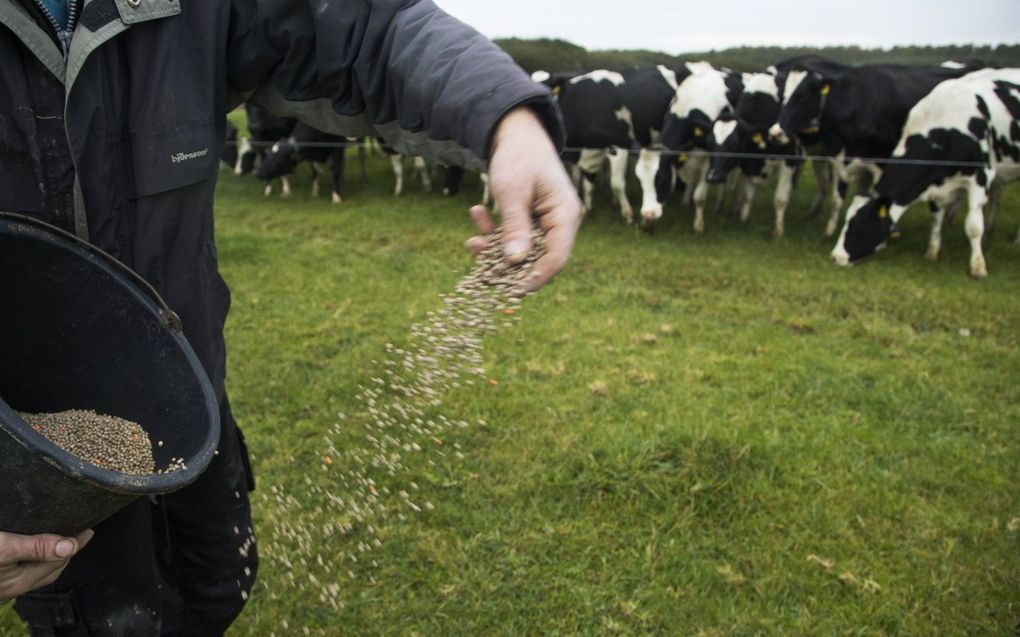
(838, 197)
(975, 226)
(700, 197)
(994, 203)
(729, 185)
(784, 187)
(938, 216)
(575, 176)
(646, 169)
(339, 159)
(397, 161)
(747, 198)
(486, 190)
(422, 170)
(285, 189)
(823, 181)
(316, 170)
(618, 180)
(589, 163)
(268, 190)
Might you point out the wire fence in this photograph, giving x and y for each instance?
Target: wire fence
(791, 157)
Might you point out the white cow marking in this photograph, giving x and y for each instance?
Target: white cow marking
(623, 114)
(723, 129)
(540, 76)
(793, 80)
(600, 76)
(669, 75)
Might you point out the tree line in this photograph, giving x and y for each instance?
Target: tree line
(561, 55)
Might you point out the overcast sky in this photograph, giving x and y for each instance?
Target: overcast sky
(679, 26)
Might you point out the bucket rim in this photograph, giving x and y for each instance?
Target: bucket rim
(38, 445)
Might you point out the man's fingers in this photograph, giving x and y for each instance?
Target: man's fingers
(477, 244)
(46, 580)
(483, 221)
(516, 227)
(34, 575)
(36, 548)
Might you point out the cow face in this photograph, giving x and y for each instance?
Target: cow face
(686, 133)
(803, 101)
(869, 224)
(665, 178)
(728, 140)
(282, 159)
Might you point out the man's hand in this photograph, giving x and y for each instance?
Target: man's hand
(528, 180)
(28, 562)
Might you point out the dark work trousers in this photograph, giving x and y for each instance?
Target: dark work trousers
(182, 565)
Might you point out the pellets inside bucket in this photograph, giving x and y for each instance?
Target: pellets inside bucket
(106, 441)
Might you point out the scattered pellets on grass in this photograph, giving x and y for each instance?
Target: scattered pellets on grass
(399, 412)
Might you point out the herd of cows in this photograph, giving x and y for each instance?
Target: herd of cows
(945, 135)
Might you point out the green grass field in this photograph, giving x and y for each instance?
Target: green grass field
(688, 435)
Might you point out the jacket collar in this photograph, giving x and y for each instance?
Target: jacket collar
(100, 20)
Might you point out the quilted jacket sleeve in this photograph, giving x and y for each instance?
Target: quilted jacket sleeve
(403, 69)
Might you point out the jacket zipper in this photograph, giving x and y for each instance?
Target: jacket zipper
(63, 35)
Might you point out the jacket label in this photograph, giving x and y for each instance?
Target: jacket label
(195, 154)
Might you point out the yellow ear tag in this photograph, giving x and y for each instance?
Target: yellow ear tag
(682, 157)
(759, 141)
(825, 90)
(883, 212)
(698, 132)
(556, 91)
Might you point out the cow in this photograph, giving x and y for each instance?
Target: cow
(265, 131)
(856, 114)
(608, 114)
(963, 136)
(687, 125)
(739, 140)
(311, 145)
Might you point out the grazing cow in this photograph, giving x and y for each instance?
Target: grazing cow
(963, 136)
(265, 131)
(608, 114)
(857, 114)
(697, 102)
(311, 145)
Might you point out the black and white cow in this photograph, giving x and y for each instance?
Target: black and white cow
(963, 136)
(312, 145)
(609, 114)
(856, 114)
(697, 102)
(266, 130)
(739, 141)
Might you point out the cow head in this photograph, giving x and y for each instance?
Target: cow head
(804, 96)
(870, 221)
(283, 158)
(731, 138)
(686, 133)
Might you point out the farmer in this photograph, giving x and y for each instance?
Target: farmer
(111, 121)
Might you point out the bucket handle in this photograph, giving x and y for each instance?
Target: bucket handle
(170, 318)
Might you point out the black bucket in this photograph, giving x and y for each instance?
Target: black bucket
(79, 330)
